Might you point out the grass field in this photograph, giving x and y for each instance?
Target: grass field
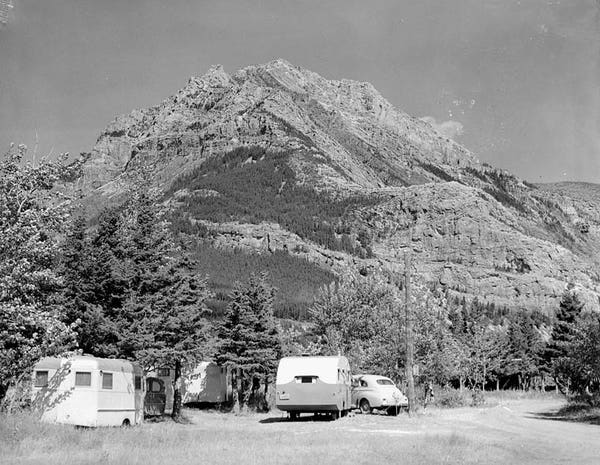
(507, 431)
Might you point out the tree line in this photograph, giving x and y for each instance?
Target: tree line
(128, 288)
(125, 288)
(460, 343)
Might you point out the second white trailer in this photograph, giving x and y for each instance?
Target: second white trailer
(314, 385)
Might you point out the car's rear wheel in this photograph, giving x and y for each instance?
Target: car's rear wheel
(365, 407)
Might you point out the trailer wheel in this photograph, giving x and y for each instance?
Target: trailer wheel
(335, 415)
(294, 416)
(365, 407)
(393, 411)
(126, 423)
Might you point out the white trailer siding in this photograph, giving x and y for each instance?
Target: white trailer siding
(313, 384)
(88, 391)
(207, 382)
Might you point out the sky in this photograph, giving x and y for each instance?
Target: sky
(516, 82)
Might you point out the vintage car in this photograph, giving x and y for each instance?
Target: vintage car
(377, 392)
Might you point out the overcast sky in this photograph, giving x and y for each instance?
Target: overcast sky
(521, 77)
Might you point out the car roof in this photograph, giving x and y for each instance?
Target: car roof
(372, 377)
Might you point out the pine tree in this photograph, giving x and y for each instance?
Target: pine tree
(79, 293)
(563, 336)
(132, 293)
(249, 342)
(167, 323)
(525, 348)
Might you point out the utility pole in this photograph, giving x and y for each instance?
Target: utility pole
(409, 338)
(6, 7)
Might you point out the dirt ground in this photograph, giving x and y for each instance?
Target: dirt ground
(514, 431)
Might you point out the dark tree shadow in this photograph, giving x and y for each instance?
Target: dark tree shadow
(49, 396)
(301, 419)
(573, 413)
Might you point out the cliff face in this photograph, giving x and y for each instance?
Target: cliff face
(475, 230)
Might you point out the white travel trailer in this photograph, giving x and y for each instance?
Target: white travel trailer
(207, 383)
(314, 385)
(88, 391)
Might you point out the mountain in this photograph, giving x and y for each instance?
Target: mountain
(277, 167)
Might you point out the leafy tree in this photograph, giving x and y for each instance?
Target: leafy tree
(525, 348)
(487, 351)
(584, 355)
(361, 318)
(364, 319)
(33, 214)
(249, 342)
(441, 355)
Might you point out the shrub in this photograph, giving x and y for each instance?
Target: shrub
(477, 398)
(451, 398)
(438, 172)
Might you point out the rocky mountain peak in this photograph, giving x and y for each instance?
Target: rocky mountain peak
(308, 141)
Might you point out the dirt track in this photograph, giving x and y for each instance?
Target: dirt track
(527, 426)
(515, 431)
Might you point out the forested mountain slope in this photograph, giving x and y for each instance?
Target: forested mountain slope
(277, 161)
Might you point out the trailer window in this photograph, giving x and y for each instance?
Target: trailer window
(306, 379)
(41, 378)
(138, 383)
(107, 380)
(164, 372)
(83, 378)
(155, 385)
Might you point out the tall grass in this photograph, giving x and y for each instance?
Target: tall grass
(225, 439)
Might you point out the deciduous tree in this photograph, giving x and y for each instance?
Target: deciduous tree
(33, 215)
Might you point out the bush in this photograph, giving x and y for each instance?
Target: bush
(451, 398)
(477, 398)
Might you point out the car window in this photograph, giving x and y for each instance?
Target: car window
(385, 382)
(363, 383)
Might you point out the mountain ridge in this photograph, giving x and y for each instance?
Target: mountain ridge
(311, 142)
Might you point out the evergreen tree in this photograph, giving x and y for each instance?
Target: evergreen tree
(167, 323)
(563, 336)
(249, 342)
(79, 295)
(525, 348)
(132, 294)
